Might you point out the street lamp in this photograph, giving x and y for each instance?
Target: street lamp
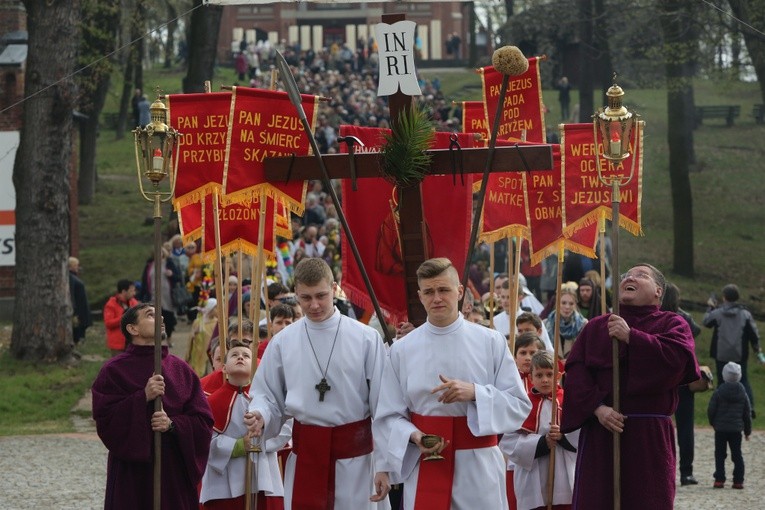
(615, 123)
(154, 145)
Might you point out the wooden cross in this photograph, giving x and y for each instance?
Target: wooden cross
(413, 248)
(322, 388)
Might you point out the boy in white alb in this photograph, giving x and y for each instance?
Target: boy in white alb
(223, 483)
(530, 447)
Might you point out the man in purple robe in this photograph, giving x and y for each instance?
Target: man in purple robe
(123, 408)
(656, 355)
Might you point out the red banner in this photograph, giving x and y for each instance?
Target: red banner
(586, 198)
(264, 123)
(474, 118)
(542, 192)
(504, 207)
(190, 221)
(371, 213)
(238, 223)
(202, 121)
(523, 110)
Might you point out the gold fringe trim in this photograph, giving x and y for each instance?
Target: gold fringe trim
(505, 232)
(197, 195)
(624, 222)
(267, 190)
(555, 247)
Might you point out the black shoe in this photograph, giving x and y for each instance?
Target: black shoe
(688, 480)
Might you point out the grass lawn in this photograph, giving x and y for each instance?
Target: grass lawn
(728, 193)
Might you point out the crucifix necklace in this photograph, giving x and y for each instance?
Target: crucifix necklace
(323, 387)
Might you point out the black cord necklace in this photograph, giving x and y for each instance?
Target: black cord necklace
(323, 387)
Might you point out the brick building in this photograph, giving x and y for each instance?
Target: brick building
(13, 53)
(319, 25)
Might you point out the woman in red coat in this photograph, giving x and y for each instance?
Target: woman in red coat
(113, 310)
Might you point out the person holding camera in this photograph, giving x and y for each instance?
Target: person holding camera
(734, 328)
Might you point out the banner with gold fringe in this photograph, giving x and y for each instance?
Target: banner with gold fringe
(190, 221)
(585, 197)
(523, 109)
(238, 223)
(504, 209)
(264, 123)
(542, 193)
(202, 123)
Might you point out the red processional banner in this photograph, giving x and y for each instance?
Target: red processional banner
(474, 118)
(263, 123)
(238, 223)
(522, 111)
(504, 206)
(586, 197)
(202, 124)
(372, 214)
(542, 192)
(190, 221)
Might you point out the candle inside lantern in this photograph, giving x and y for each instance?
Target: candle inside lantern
(157, 162)
(615, 145)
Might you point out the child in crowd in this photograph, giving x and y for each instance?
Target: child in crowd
(223, 483)
(282, 315)
(531, 446)
(526, 345)
(729, 414)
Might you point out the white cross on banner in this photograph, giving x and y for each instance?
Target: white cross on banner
(396, 56)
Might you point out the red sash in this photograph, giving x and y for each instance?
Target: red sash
(316, 449)
(434, 483)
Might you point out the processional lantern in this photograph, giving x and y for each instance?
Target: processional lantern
(615, 124)
(154, 144)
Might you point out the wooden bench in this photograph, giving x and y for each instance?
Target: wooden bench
(727, 112)
(758, 112)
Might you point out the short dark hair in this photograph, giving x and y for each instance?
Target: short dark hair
(124, 285)
(282, 310)
(131, 317)
(235, 343)
(275, 289)
(730, 293)
(670, 301)
(529, 317)
(526, 339)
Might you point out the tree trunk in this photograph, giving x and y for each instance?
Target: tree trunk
(86, 183)
(203, 41)
(42, 315)
(586, 104)
(172, 26)
(752, 12)
(133, 75)
(680, 46)
(100, 24)
(603, 64)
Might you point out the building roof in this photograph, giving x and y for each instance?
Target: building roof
(13, 54)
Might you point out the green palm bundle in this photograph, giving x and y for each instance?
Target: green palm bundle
(404, 158)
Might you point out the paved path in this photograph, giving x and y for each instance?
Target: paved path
(68, 471)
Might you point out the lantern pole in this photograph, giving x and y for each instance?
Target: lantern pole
(615, 124)
(154, 145)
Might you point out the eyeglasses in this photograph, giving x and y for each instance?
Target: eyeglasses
(639, 275)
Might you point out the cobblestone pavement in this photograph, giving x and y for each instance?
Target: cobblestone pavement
(68, 472)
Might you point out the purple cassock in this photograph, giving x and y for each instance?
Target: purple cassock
(659, 358)
(123, 421)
